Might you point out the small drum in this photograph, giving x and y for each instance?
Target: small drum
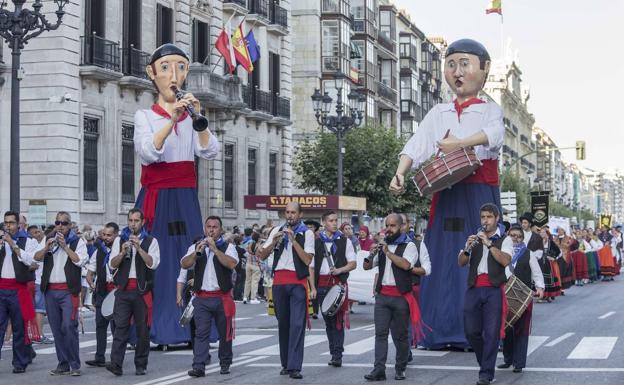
(333, 300)
(519, 296)
(446, 170)
(108, 305)
(187, 314)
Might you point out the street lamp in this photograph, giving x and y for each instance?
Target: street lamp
(343, 121)
(17, 27)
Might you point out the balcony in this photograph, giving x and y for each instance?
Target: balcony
(213, 90)
(99, 59)
(133, 63)
(386, 92)
(278, 20)
(259, 102)
(282, 107)
(388, 44)
(236, 6)
(411, 110)
(361, 26)
(259, 11)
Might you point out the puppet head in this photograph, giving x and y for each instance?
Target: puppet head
(168, 67)
(466, 68)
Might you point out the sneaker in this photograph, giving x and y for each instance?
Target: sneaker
(245, 301)
(254, 302)
(59, 372)
(75, 373)
(47, 341)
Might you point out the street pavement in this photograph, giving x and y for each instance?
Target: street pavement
(575, 340)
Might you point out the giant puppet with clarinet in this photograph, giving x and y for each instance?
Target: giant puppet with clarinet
(167, 138)
(455, 150)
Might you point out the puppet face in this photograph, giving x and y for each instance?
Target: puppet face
(168, 71)
(464, 75)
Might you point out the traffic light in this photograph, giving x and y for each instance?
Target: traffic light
(580, 150)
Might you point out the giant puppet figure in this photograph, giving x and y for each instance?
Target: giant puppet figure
(167, 145)
(470, 122)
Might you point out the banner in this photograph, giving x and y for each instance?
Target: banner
(606, 220)
(539, 207)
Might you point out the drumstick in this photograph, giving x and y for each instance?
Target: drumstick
(398, 182)
(445, 136)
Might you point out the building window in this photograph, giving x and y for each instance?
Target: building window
(90, 167)
(127, 163)
(95, 14)
(164, 25)
(273, 173)
(228, 176)
(387, 24)
(132, 24)
(251, 171)
(335, 6)
(201, 41)
(336, 51)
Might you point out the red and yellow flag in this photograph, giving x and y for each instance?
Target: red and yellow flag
(240, 49)
(495, 7)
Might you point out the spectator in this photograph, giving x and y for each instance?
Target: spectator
(365, 241)
(252, 271)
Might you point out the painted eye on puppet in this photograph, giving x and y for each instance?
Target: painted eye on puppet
(164, 67)
(182, 67)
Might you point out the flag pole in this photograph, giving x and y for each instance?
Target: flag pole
(213, 46)
(502, 37)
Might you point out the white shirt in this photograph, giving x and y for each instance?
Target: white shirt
(60, 258)
(410, 253)
(596, 244)
(153, 251)
(182, 276)
(506, 247)
(349, 254)
(536, 271)
(527, 237)
(423, 256)
(442, 117)
(26, 257)
(286, 259)
(92, 265)
(209, 281)
(39, 270)
(183, 146)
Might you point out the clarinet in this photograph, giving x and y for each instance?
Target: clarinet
(468, 250)
(280, 241)
(372, 254)
(200, 123)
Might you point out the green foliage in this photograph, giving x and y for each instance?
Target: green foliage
(369, 164)
(511, 182)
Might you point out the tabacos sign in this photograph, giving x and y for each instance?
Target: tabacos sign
(276, 202)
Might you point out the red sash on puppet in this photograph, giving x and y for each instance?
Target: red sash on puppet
(289, 277)
(483, 280)
(164, 175)
(75, 298)
(147, 297)
(31, 330)
(343, 312)
(229, 308)
(415, 318)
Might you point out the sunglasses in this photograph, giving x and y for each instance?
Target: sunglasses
(62, 223)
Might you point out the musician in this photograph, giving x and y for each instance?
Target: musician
(103, 285)
(213, 260)
(488, 253)
(469, 122)
(526, 268)
(135, 255)
(395, 306)
(16, 256)
(334, 258)
(532, 239)
(292, 245)
(63, 256)
(167, 145)
(315, 226)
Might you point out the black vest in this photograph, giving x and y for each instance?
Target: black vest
(22, 272)
(496, 271)
(224, 275)
(402, 278)
(73, 273)
(535, 242)
(415, 277)
(100, 269)
(144, 275)
(340, 258)
(523, 268)
(300, 267)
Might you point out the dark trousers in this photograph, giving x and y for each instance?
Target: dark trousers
(290, 310)
(516, 342)
(482, 321)
(64, 329)
(10, 309)
(101, 328)
(391, 316)
(207, 311)
(130, 305)
(335, 336)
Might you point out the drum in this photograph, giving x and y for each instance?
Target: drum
(187, 314)
(333, 300)
(444, 171)
(108, 305)
(519, 296)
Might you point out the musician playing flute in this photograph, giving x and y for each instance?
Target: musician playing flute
(213, 260)
(470, 122)
(167, 145)
(333, 259)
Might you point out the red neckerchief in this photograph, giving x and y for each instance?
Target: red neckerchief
(461, 107)
(161, 111)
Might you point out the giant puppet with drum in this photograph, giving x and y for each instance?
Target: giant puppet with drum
(464, 138)
(167, 138)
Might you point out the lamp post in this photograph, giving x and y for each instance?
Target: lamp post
(343, 121)
(17, 27)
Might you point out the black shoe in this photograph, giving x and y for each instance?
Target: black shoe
(19, 370)
(399, 375)
(225, 369)
(296, 374)
(314, 316)
(59, 372)
(410, 356)
(335, 362)
(196, 373)
(116, 370)
(517, 370)
(284, 372)
(96, 363)
(375, 375)
(483, 382)
(503, 366)
(140, 371)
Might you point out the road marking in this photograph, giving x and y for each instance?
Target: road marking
(457, 368)
(429, 353)
(239, 340)
(84, 344)
(606, 315)
(241, 318)
(535, 342)
(596, 348)
(559, 339)
(273, 350)
(360, 347)
(363, 327)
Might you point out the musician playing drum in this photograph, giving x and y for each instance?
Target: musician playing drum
(332, 262)
(488, 253)
(470, 122)
(527, 269)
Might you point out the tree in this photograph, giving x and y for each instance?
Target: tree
(511, 182)
(370, 160)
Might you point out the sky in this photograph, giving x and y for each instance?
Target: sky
(571, 54)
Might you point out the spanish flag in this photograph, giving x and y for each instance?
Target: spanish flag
(495, 7)
(240, 49)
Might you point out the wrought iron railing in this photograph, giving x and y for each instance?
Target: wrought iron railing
(100, 52)
(134, 62)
